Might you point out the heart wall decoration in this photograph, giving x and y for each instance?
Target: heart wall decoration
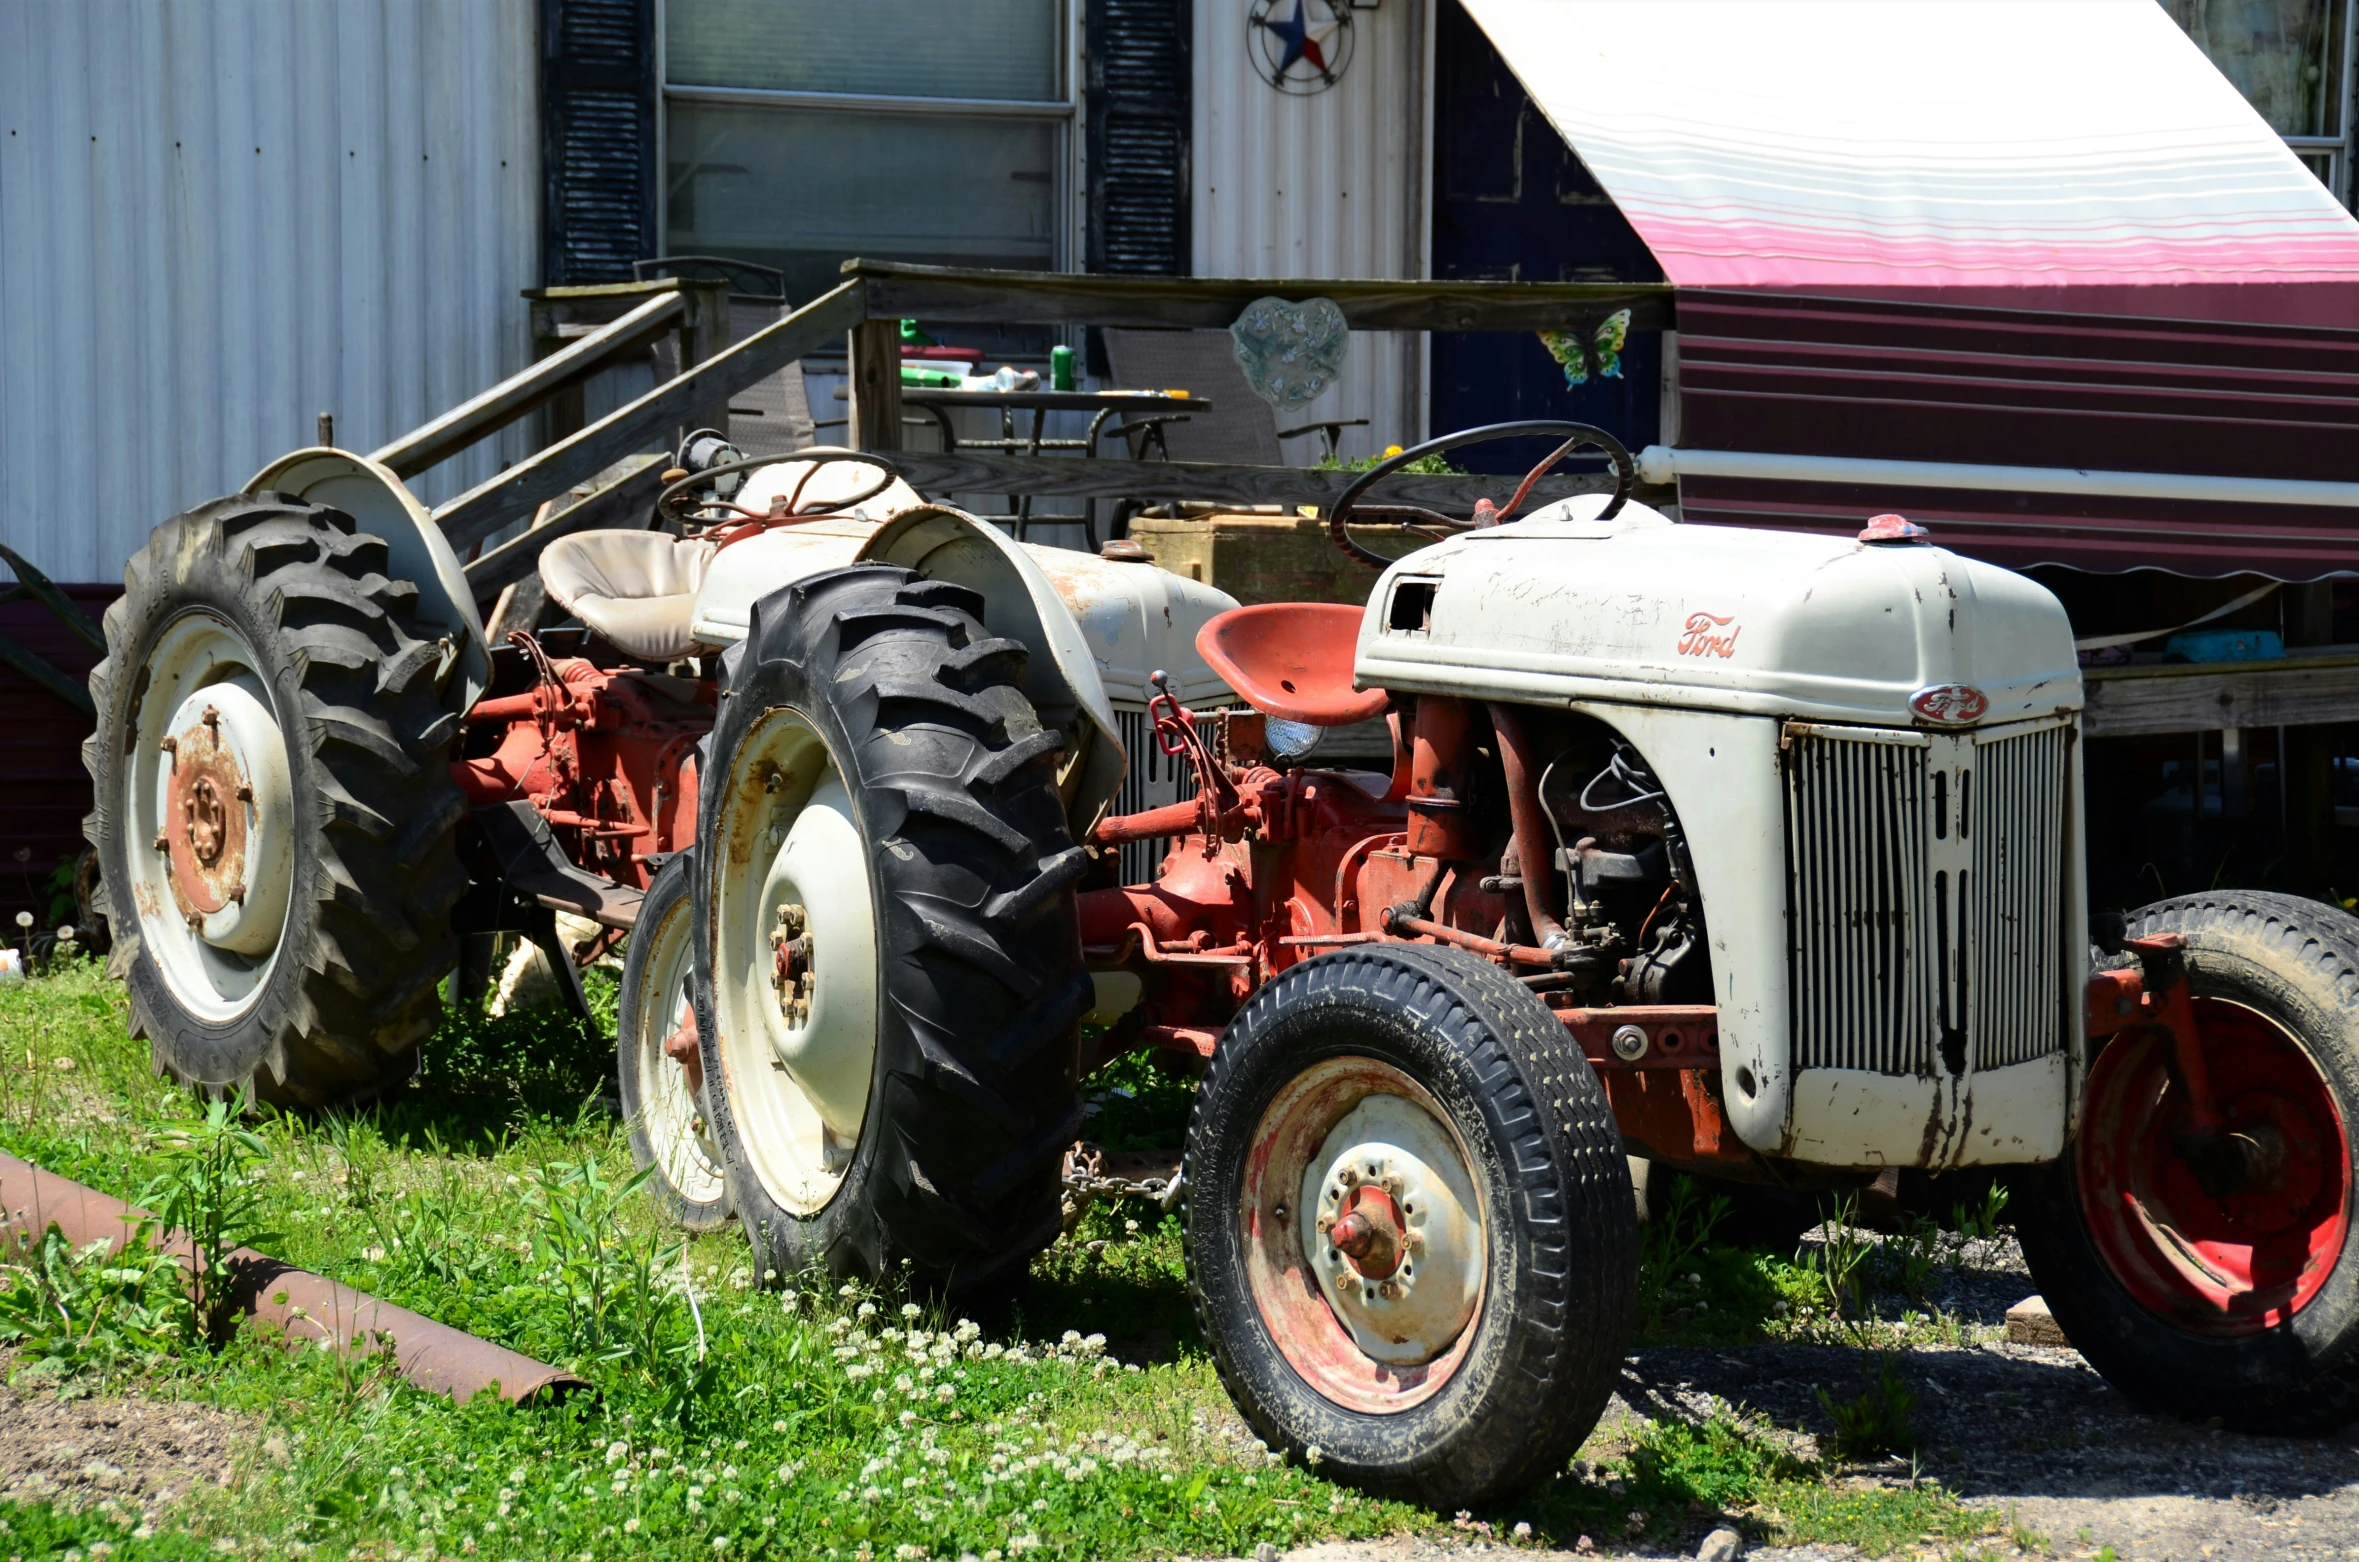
(1290, 352)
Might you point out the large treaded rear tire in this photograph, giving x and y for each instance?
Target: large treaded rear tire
(1541, 1352)
(352, 688)
(2293, 963)
(974, 1090)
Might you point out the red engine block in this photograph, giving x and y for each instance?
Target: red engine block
(607, 755)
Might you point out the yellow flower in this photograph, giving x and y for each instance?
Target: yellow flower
(1390, 451)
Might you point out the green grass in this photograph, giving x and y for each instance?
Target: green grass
(818, 1422)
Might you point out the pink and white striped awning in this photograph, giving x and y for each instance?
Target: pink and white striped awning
(2078, 155)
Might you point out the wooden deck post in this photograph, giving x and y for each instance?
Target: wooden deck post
(875, 349)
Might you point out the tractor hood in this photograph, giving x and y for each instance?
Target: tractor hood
(1561, 605)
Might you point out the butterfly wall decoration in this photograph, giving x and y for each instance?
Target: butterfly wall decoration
(1581, 353)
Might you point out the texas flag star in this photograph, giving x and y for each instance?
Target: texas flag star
(1304, 40)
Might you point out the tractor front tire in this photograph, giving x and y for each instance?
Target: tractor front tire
(1462, 1341)
(273, 809)
(2199, 1297)
(889, 985)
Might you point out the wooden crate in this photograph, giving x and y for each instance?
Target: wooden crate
(1256, 557)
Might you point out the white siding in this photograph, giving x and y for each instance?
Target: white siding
(1326, 185)
(219, 218)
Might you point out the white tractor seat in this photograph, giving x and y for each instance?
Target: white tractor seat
(636, 589)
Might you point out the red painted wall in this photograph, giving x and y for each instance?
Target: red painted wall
(44, 791)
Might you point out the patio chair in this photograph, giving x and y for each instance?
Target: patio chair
(1241, 430)
(773, 416)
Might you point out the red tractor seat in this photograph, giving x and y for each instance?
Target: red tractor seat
(1292, 660)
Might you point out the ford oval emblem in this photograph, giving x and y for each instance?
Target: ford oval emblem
(1950, 704)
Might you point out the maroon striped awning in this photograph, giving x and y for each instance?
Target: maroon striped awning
(1940, 382)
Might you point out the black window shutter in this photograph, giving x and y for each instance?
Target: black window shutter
(1140, 192)
(598, 103)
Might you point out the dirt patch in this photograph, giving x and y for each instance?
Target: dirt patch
(136, 1453)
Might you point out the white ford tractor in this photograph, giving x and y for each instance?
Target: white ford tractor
(1754, 854)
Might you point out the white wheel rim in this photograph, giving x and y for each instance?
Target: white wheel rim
(669, 1115)
(797, 1081)
(1406, 1311)
(209, 822)
(1362, 1346)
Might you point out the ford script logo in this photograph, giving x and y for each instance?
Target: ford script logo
(1709, 634)
(1950, 704)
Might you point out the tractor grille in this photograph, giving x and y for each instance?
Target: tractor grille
(1152, 779)
(1926, 897)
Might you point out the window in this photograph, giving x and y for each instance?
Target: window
(2292, 60)
(801, 132)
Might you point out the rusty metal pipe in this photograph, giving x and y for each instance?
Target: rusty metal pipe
(1534, 852)
(1441, 825)
(1149, 824)
(296, 1303)
(1488, 948)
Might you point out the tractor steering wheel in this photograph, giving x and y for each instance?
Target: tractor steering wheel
(1417, 518)
(675, 503)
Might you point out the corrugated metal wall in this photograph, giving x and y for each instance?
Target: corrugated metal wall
(219, 218)
(1324, 185)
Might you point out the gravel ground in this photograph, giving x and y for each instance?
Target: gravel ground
(2016, 1428)
(132, 1453)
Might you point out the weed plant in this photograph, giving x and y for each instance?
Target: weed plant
(1877, 1422)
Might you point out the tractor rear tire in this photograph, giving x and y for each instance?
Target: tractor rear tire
(273, 809)
(2239, 1302)
(667, 1123)
(889, 985)
(1469, 1356)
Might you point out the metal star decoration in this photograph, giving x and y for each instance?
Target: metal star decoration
(1301, 46)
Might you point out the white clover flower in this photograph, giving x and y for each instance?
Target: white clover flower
(848, 1290)
(617, 1451)
(908, 1418)
(864, 1310)
(944, 1393)
(1314, 1455)
(729, 1471)
(630, 1526)
(910, 1309)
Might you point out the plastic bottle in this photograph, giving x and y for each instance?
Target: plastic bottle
(1060, 368)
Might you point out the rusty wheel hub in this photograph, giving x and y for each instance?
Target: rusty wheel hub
(205, 817)
(1370, 1234)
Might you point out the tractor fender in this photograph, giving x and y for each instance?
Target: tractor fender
(1024, 604)
(418, 552)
